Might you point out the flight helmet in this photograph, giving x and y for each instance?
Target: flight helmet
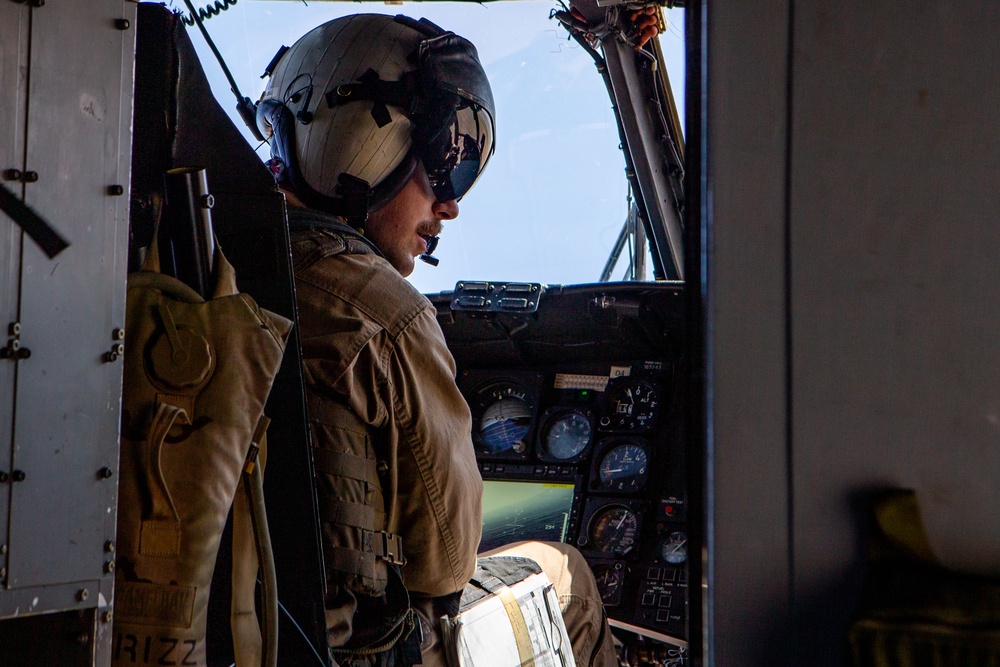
(356, 103)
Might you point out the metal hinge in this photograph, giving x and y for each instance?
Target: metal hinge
(13, 349)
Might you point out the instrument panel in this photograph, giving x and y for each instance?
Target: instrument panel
(577, 404)
(590, 454)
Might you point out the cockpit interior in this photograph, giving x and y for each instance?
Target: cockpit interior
(577, 423)
(722, 306)
(577, 389)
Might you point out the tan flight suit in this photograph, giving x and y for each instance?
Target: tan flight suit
(381, 385)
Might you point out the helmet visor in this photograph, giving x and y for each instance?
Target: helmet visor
(456, 156)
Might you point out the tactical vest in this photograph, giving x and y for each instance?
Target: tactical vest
(358, 552)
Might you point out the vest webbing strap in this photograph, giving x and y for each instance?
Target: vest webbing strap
(345, 513)
(325, 410)
(375, 545)
(350, 561)
(343, 464)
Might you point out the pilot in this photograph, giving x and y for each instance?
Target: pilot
(378, 125)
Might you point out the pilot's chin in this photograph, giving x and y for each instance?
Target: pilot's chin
(404, 266)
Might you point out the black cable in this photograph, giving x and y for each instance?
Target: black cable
(211, 45)
(303, 633)
(209, 11)
(246, 108)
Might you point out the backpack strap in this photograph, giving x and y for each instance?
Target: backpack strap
(160, 531)
(252, 555)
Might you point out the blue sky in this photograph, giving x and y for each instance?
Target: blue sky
(553, 199)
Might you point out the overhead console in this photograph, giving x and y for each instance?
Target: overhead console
(576, 407)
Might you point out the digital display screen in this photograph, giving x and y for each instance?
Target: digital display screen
(515, 511)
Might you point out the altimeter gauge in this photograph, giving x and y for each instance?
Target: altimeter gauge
(632, 406)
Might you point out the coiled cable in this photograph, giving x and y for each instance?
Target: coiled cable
(209, 11)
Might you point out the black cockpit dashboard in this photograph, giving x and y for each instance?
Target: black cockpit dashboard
(577, 408)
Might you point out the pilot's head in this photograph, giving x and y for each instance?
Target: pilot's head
(383, 121)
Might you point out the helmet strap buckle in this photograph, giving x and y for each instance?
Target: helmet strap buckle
(356, 196)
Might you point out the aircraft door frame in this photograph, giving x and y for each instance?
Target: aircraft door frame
(13, 55)
(67, 104)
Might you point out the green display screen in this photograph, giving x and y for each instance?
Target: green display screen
(515, 511)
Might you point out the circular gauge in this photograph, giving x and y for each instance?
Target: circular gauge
(673, 549)
(566, 435)
(610, 581)
(613, 529)
(504, 425)
(503, 419)
(624, 467)
(632, 407)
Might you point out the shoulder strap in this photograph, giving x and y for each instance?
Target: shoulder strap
(355, 242)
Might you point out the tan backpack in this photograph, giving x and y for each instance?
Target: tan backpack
(197, 375)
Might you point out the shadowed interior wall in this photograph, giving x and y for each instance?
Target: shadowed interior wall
(854, 303)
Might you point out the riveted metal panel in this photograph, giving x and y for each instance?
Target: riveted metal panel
(67, 398)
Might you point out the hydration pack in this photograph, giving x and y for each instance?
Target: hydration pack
(197, 374)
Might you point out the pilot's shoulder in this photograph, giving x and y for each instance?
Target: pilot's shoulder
(362, 281)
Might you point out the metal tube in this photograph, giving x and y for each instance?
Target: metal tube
(185, 237)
